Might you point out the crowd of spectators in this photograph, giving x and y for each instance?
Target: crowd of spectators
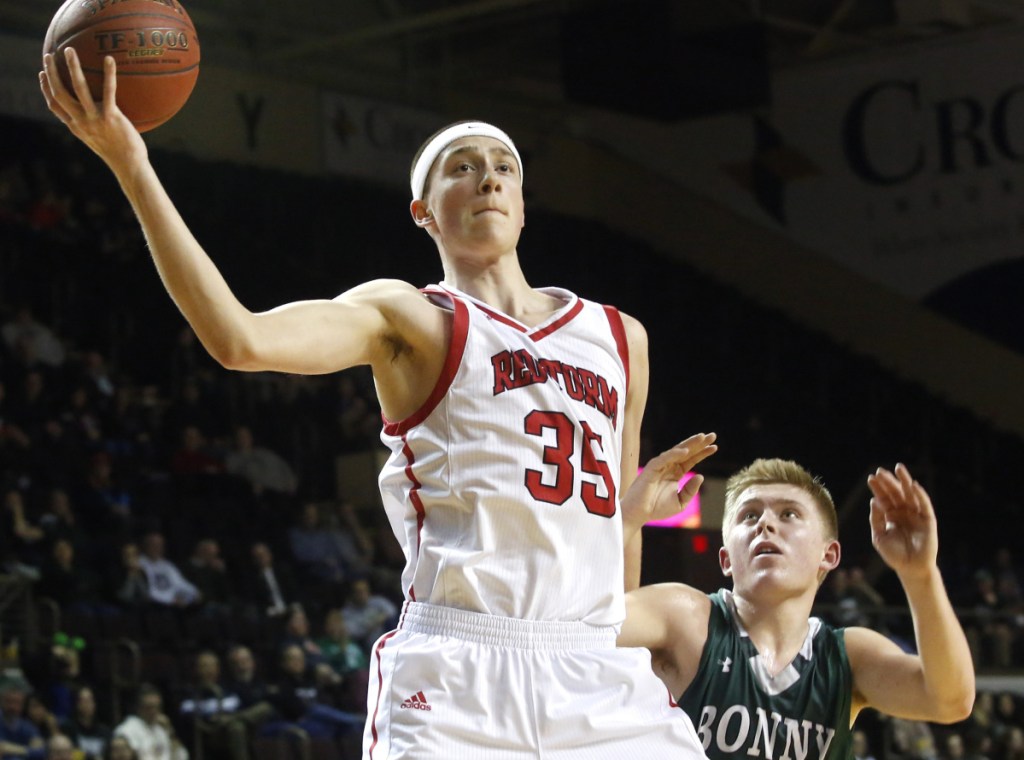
(147, 495)
(175, 509)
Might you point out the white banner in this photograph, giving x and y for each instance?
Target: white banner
(906, 165)
(373, 139)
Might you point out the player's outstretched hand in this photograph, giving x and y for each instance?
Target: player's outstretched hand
(655, 494)
(101, 126)
(903, 528)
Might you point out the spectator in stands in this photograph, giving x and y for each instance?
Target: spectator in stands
(71, 584)
(990, 633)
(347, 659)
(149, 731)
(854, 601)
(321, 551)
(1006, 714)
(40, 716)
(337, 647)
(191, 407)
(59, 521)
(296, 633)
(1013, 745)
(215, 712)
(60, 747)
(861, 750)
(354, 543)
(953, 747)
(194, 456)
(25, 332)
(104, 504)
(14, 442)
(129, 584)
(368, 615)
(263, 469)
(130, 424)
(86, 732)
(271, 589)
(207, 571)
(120, 749)
(299, 699)
(23, 538)
(167, 585)
(81, 420)
(912, 739)
(1008, 585)
(252, 690)
(357, 418)
(19, 738)
(98, 375)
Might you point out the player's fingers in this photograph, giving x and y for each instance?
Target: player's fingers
(909, 494)
(678, 454)
(51, 102)
(689, 490)
(55, 87)
(877, 520)
(882, 484)
(922, 500)
(109, 83)
(79, 83)
(698, 456)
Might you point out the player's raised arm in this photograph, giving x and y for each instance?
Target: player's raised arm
(308, 337)
(938, 683)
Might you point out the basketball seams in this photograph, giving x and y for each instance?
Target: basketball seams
(183, 25)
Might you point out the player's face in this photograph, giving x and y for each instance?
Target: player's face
(475, 200)
(777, 537)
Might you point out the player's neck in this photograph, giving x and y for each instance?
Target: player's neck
(503, 286)
(777, 626)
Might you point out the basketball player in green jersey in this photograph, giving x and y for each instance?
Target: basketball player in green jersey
(758, 676)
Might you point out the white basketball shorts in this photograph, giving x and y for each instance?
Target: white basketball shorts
(459, 685)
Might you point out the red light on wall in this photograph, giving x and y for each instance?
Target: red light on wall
(699, 543)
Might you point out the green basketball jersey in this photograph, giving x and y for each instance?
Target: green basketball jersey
(739, 710)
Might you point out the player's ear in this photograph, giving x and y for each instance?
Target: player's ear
(420, 213)
(724, 562)
(830, 556)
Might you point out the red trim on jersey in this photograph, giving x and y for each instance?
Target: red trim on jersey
(504, 319)
(460, 329)
(568, 316)
(417, 502)
(671, 699)
(619, 333)
(380, 688)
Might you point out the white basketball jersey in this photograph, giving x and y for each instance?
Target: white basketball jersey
(503, 488)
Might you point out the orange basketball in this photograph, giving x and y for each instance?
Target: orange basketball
(153, 42)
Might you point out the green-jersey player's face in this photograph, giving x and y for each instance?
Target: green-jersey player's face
(777, 539)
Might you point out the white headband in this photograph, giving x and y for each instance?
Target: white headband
(446, 138)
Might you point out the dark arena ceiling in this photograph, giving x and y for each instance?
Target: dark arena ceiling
(414, 50)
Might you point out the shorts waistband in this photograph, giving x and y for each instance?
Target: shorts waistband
(501, 631)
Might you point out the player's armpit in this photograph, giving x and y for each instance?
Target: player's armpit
(893, 682)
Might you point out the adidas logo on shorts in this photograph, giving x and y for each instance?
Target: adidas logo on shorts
(416, 702)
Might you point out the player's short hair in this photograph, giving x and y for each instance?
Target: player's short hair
(785, 471)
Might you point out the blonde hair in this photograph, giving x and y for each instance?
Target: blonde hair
(785, 471)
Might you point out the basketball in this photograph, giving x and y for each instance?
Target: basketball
(153, 42)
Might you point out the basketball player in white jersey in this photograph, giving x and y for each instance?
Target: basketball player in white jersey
(513, 418)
